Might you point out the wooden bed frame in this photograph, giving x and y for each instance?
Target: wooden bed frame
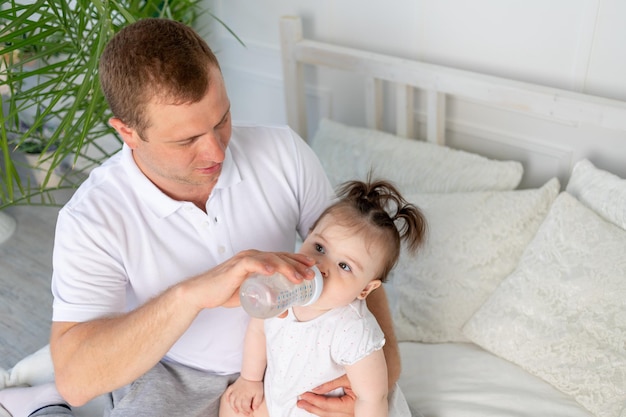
(556, 127)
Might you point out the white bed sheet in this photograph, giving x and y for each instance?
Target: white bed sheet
(438, 380)
(463, 380)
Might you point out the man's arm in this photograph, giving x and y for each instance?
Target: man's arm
(379, 306)
(102, 355)
(99, 356)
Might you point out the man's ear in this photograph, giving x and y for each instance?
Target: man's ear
(371, 286)
(127, 133)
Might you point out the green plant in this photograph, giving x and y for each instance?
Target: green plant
(52, 102)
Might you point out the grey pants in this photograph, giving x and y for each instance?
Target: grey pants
(167, 390)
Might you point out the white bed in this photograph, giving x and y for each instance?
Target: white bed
(515, 305)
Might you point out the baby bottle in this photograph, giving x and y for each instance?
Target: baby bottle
(265, 296)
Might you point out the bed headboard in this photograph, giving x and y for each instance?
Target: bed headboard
(547, 129)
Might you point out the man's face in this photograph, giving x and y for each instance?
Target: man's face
(184, 146)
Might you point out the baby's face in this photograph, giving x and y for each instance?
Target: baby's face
(348, 263)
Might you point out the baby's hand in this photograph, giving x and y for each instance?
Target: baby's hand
(244, 396)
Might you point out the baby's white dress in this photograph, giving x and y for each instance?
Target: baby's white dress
(303, 355)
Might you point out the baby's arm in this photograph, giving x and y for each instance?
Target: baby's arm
(246, 394)
(369, 383)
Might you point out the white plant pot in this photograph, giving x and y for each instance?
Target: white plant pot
(40, 166)
(7, 226)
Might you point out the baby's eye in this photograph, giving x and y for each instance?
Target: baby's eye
(319, 248)
(345, 266)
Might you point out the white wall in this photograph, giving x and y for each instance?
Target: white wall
(571, 44)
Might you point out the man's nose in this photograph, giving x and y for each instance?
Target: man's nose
(211, 147)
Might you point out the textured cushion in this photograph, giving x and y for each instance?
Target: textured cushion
(349, 153)
(474, 241)
(561, 315)
(601, 191)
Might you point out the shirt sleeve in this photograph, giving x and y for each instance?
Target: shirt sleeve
(87, 281)
(356, 338)
(315, 191)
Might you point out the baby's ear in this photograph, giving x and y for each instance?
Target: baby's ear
(371, 286)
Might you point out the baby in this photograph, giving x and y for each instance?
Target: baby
(355, 243)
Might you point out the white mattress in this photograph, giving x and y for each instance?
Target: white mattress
(438, 380)
(463, 380)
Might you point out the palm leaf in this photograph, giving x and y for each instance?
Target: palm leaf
(51, 94)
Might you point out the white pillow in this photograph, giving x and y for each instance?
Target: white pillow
(475, 240)
(601, 191)
(562, 314)
(349, 153)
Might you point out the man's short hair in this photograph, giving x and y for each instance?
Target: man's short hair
(154, 58)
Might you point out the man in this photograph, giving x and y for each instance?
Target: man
(151, 250)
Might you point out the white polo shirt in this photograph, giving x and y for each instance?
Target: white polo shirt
(120, 241)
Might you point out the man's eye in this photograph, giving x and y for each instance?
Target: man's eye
(345, 266)
(223, 122)
(187, 142)
(319, 248)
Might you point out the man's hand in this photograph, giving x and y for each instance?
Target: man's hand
(315, 402)
(219, 287)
